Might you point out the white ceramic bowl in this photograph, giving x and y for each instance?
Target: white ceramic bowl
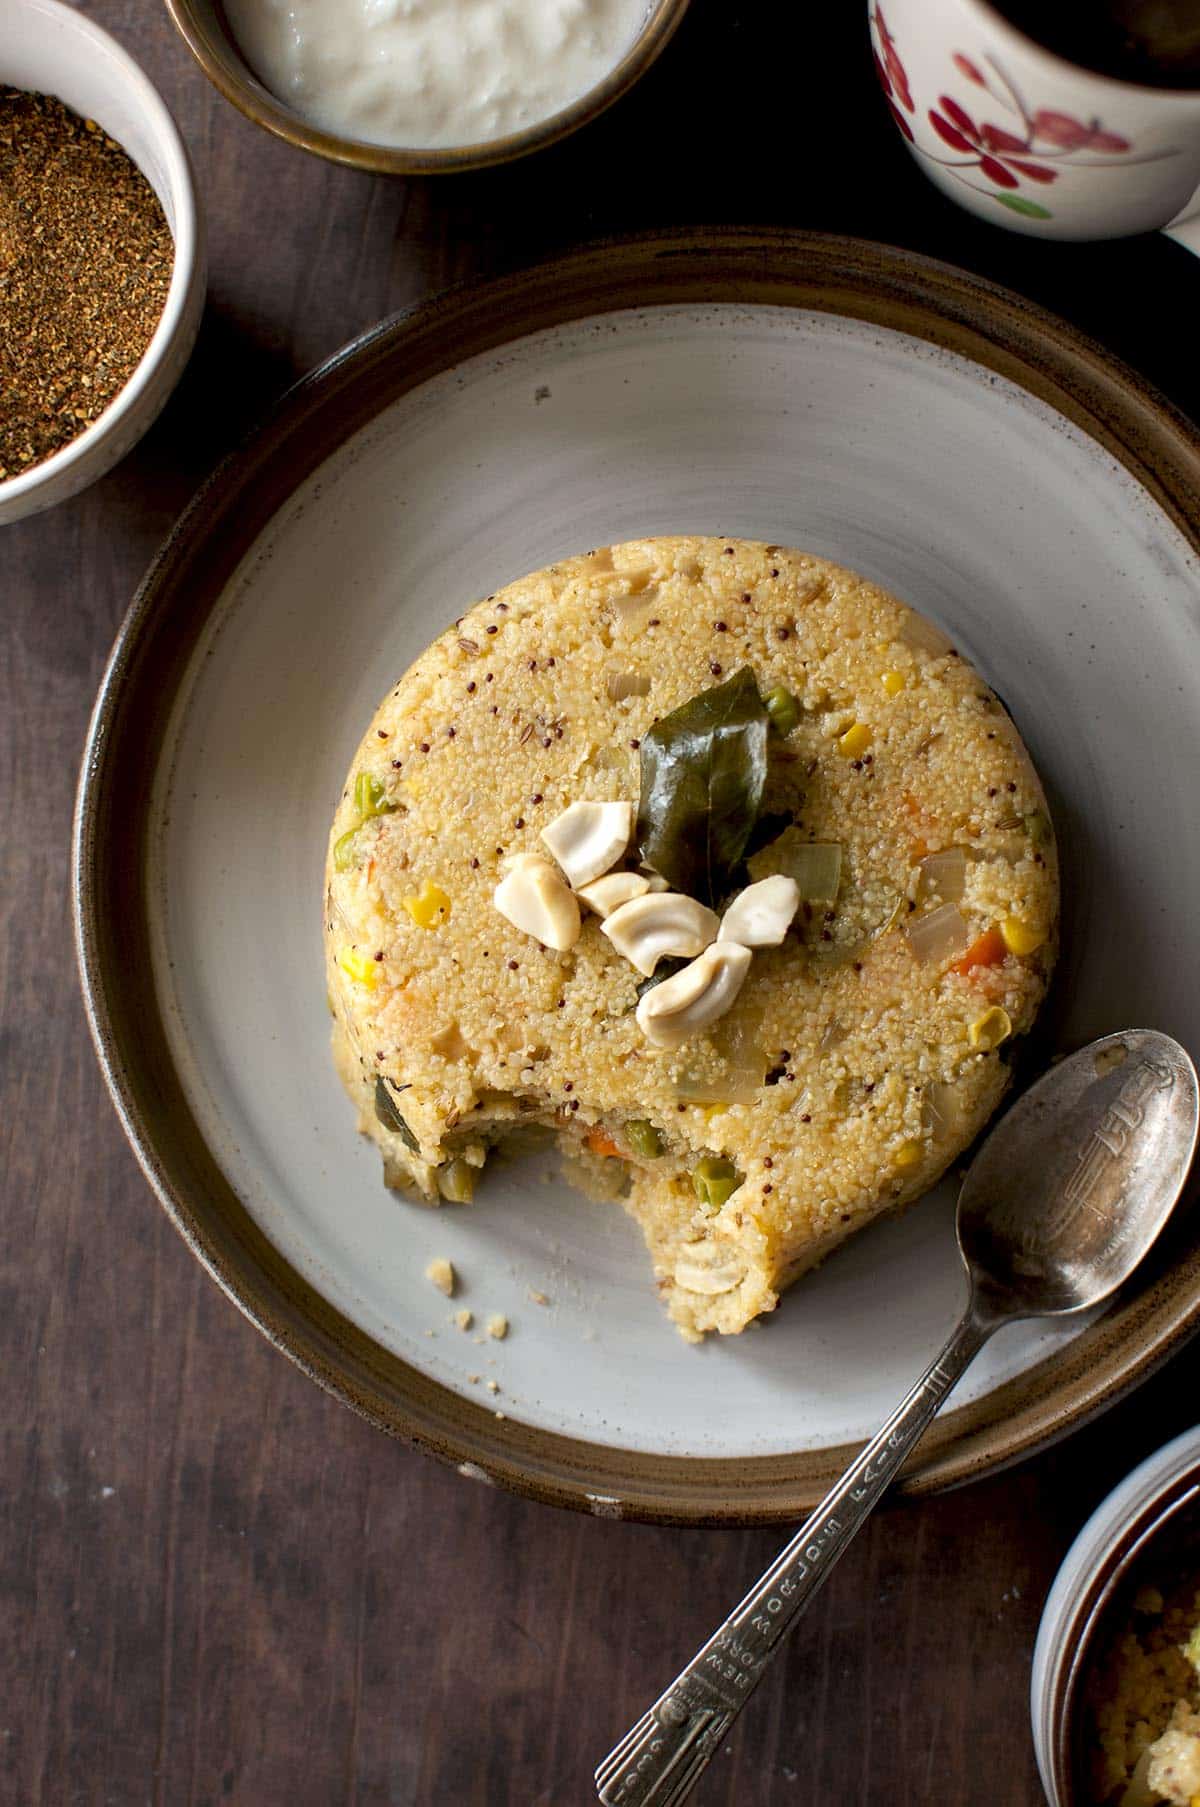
(52, 49)
(1119, 1532)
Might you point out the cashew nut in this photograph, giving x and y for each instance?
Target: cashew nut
(719, 1275)
(534, 898)
(660, 924)
(761, 915)
(604, 895)
(588, 838)
(692, 999)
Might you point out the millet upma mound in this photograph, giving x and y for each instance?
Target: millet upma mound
(718, 861)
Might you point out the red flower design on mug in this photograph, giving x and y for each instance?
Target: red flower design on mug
(892, 76)
(991, 147)
(1072, 135)
(1033, 148)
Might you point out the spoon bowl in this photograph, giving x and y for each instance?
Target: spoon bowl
(1071, 1188)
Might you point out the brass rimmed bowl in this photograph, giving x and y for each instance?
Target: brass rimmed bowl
(206, 32)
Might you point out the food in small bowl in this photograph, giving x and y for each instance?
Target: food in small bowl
(102, 254)
(719, 863)
(1142, 1699)
(422, 88)
(1115, 1691)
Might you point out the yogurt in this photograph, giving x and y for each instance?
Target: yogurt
(424, 73)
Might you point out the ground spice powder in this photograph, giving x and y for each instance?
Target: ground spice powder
(85, 264)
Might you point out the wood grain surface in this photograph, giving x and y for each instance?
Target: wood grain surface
(218, 1585)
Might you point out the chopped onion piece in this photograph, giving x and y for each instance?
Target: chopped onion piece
(630, 610)
(937, 934)
(620, 684)
(923, 636)
(833, 1037)
(816, 867)
(738, 1040)
(942, 1112)
(943, 875)
(733, 1086)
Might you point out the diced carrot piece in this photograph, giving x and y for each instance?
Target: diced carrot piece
(600, 1142)
(919, 814)
(988, 950)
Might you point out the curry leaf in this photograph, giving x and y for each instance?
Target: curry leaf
(703, 771)
(389, 1116)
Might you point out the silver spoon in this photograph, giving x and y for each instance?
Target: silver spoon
(1060, 1204)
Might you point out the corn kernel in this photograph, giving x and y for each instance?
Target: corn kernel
(359, 967)
(908, 1153)
(1020, 937)
(990, 1029)
(855, 741)
(893, 682)
(430, 908)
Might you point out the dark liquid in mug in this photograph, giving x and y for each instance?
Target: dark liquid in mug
(1153, 42)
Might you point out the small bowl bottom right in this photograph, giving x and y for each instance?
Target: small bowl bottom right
(1149, 1525)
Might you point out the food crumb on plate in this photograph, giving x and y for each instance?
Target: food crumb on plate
(441, 1274)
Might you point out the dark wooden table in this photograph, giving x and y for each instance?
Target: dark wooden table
(218, 1585)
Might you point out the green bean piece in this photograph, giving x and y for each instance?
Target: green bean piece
(714, 1179)
(782, 708)
(345, 853)
(456, 1182)
(644, 1139)
(370, 798)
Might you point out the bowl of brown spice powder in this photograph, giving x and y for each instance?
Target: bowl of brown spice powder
(101, 254)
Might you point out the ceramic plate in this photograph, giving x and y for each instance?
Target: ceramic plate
(943, 437)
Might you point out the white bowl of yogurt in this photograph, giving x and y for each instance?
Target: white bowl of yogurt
(424, 86)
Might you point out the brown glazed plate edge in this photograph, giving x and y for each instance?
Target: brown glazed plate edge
(878, 284)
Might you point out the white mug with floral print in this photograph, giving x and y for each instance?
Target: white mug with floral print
(1029, 141)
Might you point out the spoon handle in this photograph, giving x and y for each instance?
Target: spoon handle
(659, 1761)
